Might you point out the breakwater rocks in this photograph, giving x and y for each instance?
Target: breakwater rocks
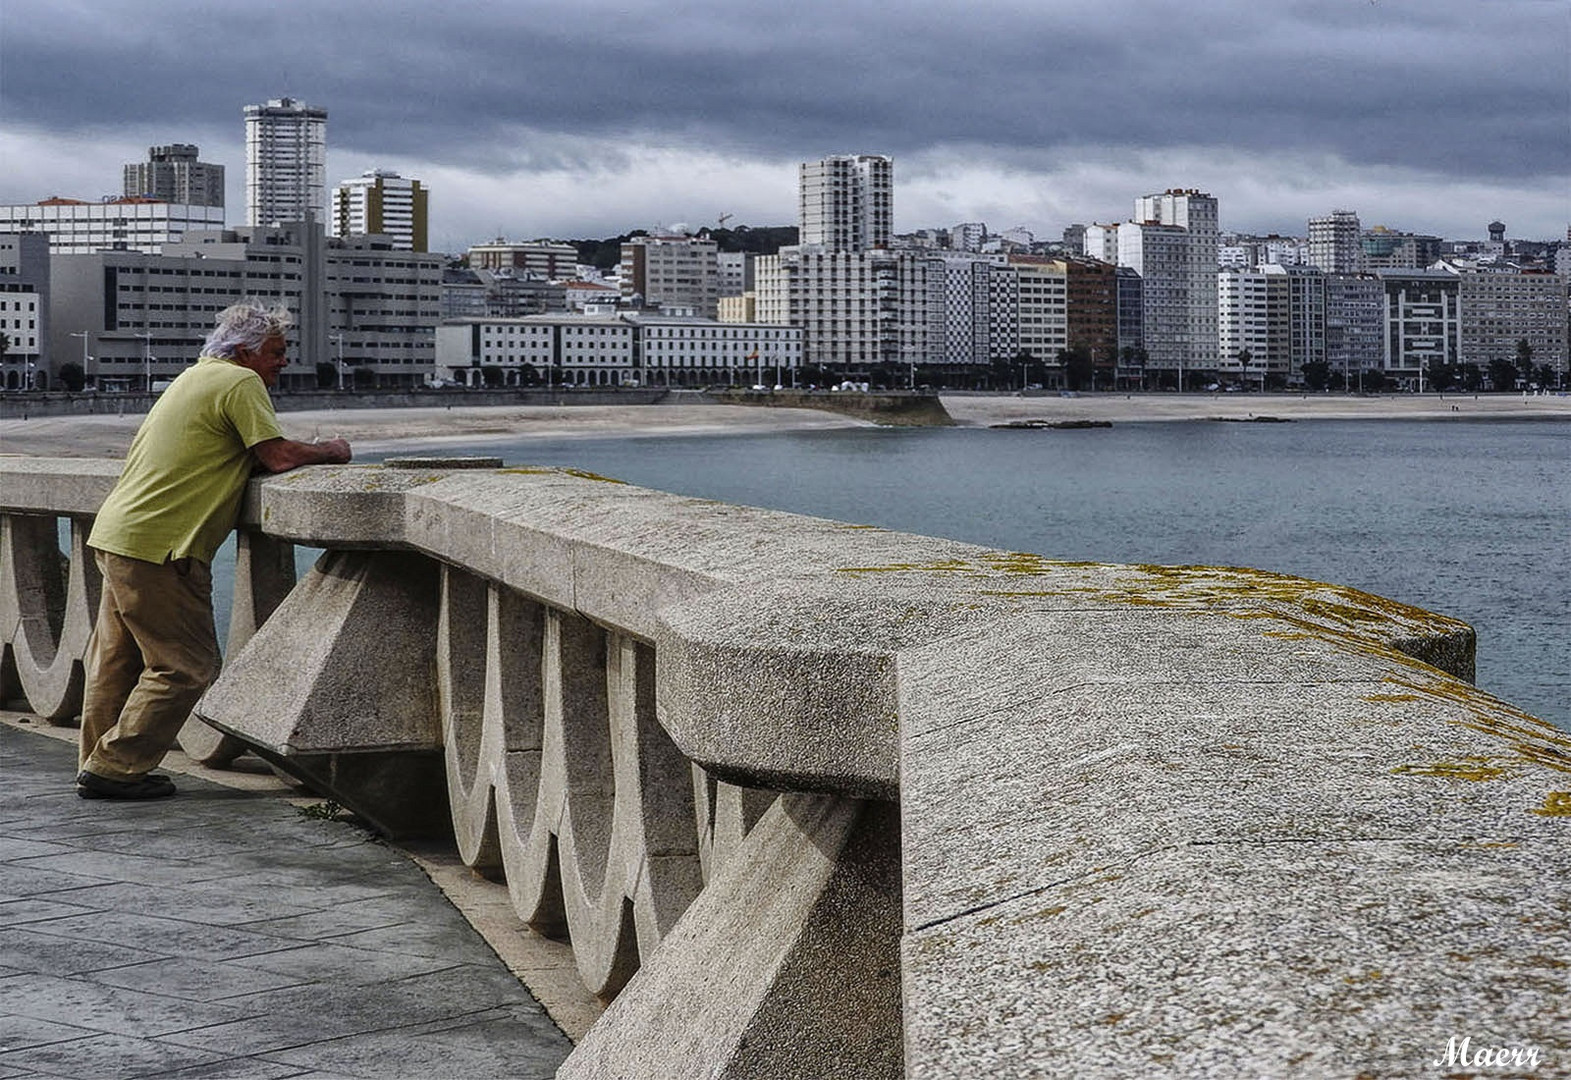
(1057, 425)
(895, 408)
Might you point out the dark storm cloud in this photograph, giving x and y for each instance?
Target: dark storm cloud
(1476, 88)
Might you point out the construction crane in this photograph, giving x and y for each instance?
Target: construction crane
(725, 218)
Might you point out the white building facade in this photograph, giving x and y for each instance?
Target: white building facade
(610, 348)
(1271, 322)
(76, 227)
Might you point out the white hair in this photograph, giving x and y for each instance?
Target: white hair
(246, 325)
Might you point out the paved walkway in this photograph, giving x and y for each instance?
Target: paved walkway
(222, 933)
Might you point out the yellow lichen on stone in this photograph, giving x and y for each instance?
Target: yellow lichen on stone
(1473, 768)
(537, 470)
(584, 474)
(1556, 804)
(946, 566)
(1531, 739)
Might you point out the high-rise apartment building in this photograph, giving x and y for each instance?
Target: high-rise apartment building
(1252, 323)
(1354, 326)
(285, 162)
(1195, 212)
(973, 309)
(846, 202)
(1160, 254)
(1271, 322)
(1501, 309)
(1334, 242)
(174, 175)
(672, 272)
(1043, 306)
(381, 202)
(1093, 310)
(855, 309)
(1423, 323)
(1130, 290)
(1247, 252)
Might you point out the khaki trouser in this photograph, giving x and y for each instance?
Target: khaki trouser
(152, 653)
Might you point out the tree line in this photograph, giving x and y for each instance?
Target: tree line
(762, 240)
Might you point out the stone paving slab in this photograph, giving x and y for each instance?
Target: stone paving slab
(21, 912)
(223, 934)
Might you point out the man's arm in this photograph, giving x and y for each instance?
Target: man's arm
(281, 455)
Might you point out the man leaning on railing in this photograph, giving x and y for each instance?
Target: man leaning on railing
(154, 649)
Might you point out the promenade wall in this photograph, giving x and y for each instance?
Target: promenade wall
(53, 403)
(816, 799)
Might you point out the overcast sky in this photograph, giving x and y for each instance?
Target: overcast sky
(587, 119)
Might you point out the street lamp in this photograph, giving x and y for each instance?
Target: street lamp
(338, 340)
(147, 360)
(85, 335)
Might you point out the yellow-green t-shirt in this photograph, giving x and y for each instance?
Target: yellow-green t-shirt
(185, 474)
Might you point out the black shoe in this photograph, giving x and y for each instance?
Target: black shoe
(92, 786)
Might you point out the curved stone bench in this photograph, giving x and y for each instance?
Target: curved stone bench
(815, 799)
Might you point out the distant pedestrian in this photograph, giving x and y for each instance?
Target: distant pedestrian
(154, 649)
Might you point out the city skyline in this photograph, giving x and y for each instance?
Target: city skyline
(1431, 117)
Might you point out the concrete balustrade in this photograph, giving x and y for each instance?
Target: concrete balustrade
(813, 799)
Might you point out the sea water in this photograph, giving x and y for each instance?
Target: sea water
(1471, 519)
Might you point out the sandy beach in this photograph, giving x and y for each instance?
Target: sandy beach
(382, 430)
(1133, 408)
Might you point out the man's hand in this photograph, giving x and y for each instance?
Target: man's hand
(281, 455)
